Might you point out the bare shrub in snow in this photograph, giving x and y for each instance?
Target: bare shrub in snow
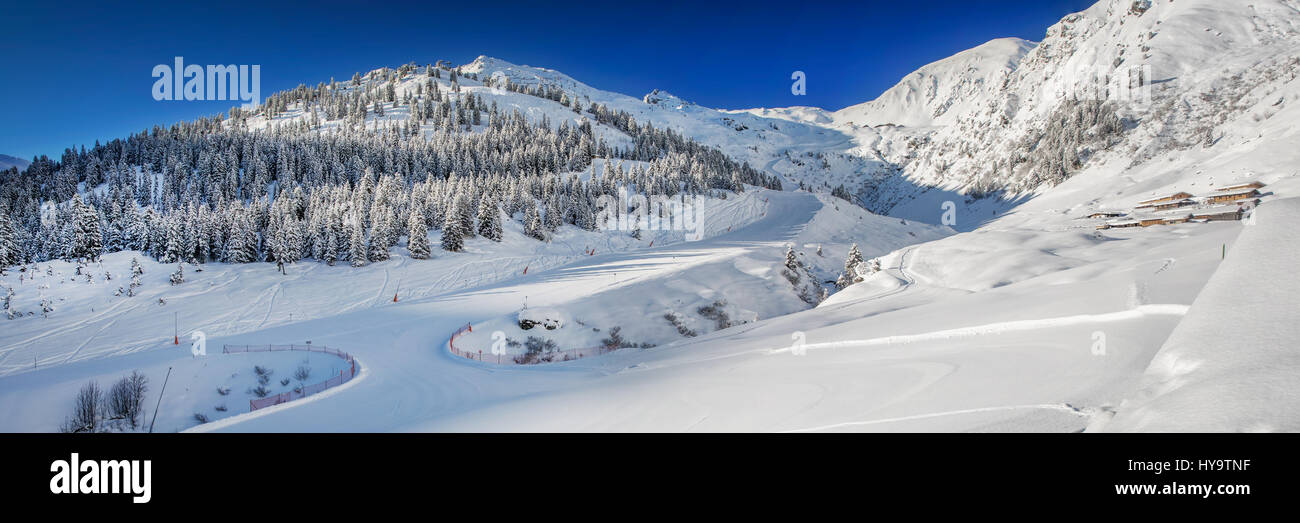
(302, 373)
(718, 313)
(537, 350)
(263, 374)
(87, 410)
(681, 327)
(126, 398)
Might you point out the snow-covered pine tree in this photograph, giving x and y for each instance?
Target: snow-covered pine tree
(489, 218)
(178, 277)
(174, 240)
(417, 235)
(291, 240)
(465, 209)
(850, 274)
(533, 222)
(9, 254)
(87, 240)
(453, 233)
(379, 235)
(792, 262)
(805, 284)
(357, 241)
(330, 250)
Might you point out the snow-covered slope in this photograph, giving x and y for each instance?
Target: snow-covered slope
(1053, 115)
(1031, 319)
(938, 93)
(1231, 365)
(7, 161)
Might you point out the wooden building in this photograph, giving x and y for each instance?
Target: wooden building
(1171, 198)
(1219, 215)
(1229, 197)
(1241, 187)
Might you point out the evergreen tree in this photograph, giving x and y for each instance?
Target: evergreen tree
(291, 241)
(533, 222)
(178, 277)
(9, 254)
(489, 219)
(850, 274)
(357, 242)
(87, 241)
(792, 262)
(174, 241)
(417, 235)
(379, 237)
(453, 229)
(330, 251)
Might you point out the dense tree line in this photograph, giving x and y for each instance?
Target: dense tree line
(216, 190)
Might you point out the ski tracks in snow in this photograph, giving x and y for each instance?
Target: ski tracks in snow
(1002, 327)
(1061, 407)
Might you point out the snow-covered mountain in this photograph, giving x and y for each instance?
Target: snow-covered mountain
(1010, 118)
(7, 161)
(938, 93)
(1053, 116)
(1038, 316)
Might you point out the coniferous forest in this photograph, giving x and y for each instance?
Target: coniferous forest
(216, 189)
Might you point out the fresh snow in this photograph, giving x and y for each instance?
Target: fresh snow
(1016, 314)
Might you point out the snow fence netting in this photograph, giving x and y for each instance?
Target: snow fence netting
(306, 390)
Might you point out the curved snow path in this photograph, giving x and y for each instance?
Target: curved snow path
(412, 379)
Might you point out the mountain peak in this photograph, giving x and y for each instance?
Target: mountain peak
(940, 91)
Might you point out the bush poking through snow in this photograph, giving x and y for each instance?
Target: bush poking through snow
(302, 373)
(718, 313)
(200, 417)
(677, 322)
(223, 391)
(260, 391)
(616, 341)
(537, 350)
(263, 374)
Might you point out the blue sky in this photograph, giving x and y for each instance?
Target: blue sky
(76, 72)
